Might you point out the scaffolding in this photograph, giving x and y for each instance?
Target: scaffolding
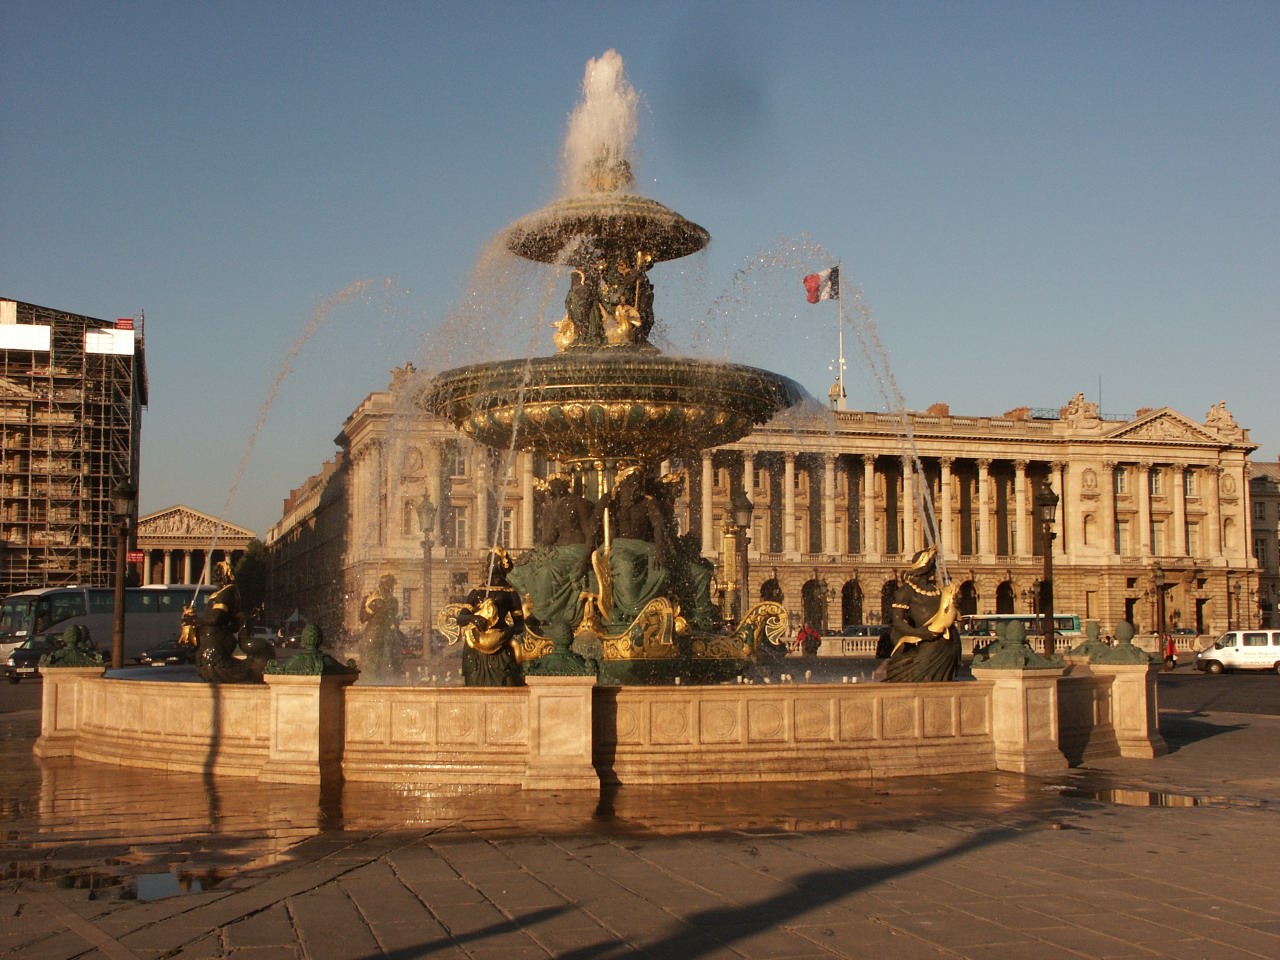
(72, 389)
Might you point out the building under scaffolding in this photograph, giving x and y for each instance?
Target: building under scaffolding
(72, 390)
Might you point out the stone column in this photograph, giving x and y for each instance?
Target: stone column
(1021, 542)
(829, 545)
(1213, 503)
(1143, 496)
(789, 507)
(749, 488)
(307, 723)
(1133, 708)
(1067, 513)
(985, 544)
(526, 500)
(946, 533)
(908, 502)
(708, 524)
(869, 544)
(65, 696)
(480, 522)
(560, 734)
(1107, 511)
(1024, 719)
(1178, 495)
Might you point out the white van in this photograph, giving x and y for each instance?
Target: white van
(1242, 650)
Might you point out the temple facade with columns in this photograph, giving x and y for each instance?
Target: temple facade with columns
(179, 543)
(840, 500)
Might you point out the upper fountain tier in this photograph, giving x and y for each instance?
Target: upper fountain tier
(606, 220)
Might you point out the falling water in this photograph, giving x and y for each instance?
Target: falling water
(314, 323)
(603, 124)
(765, 291)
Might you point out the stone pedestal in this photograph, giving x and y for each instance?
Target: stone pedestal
(1134, 708)
(307, 724)
(1024, 719)
(60, 709)
(560, 734)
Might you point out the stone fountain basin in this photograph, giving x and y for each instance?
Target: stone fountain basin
(624, 403)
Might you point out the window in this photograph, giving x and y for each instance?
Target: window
(1190, 486)
(507, 528)
(1259, 510)
(1156, 481)
(1122, 537)
(453, 529)
(408, 520)
(1121, 480)
(406, 603)
(1193, 539)
(1254, 640)
(1157, 538)
(455, 462)
(1260, 550)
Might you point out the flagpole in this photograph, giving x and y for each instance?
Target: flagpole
(841, 403)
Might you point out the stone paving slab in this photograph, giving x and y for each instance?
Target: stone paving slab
(1076, 865)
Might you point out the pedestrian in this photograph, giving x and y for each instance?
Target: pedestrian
(810, 641)
(1170, 653)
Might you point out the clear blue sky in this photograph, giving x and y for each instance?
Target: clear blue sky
(1036, 198)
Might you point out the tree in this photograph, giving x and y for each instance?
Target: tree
(251, 578)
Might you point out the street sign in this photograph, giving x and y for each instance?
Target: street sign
(134, 556)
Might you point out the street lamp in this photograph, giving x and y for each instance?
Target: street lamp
(1239, 610)
(122, 498)
(426, 511)
(1158, 578)
(1046, 510)
(742, 508)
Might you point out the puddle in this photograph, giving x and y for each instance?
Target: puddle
(158, 886)
(1142, 798)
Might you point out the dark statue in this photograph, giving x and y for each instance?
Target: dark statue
(557, 575)
(926, 640)
(220, 629)
(491, 618)
(609, 303)
(381, 640)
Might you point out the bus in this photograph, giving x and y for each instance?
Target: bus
(153, 615)
(984, 624)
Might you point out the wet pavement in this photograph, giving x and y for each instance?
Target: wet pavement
(1122, 858)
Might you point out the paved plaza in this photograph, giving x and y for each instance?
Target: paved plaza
(1176, 857)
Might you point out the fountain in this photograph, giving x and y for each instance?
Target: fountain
(608, 407)
(611, 594)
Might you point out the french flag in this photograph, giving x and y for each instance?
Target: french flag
(824, 285)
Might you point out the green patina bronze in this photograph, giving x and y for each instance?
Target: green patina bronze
(76, 650)
(311, 661)
(1124, 652)
(1010, 651)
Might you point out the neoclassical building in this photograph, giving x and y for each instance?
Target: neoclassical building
(841, 501)
(177, 543)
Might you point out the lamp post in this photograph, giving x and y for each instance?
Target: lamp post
(426, 511)
(1046, 510)
(1158, 578)
(742, 511)
(122, 498)
(1239, 609)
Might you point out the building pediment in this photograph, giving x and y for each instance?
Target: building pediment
(1163, 426)
(181, 522)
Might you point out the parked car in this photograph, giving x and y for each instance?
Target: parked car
(168, 654)
(1242, 650)
(24, 661)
